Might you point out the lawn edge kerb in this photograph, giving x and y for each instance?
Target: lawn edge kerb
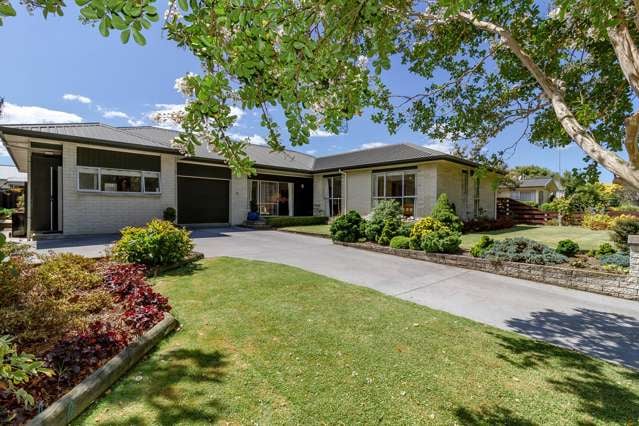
(308, 234)
(74, 402)
(621, 286)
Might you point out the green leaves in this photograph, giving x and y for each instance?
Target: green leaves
(138, 37)
(6, 9)
(124, 36)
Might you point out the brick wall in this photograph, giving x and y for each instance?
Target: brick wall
(239, 199)
(94, 213)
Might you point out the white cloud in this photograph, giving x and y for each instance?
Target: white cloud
(372, 145)
(311, 151)
(16, 114)
(115, 114)
(254, 139)
(321, 134)
(76, 98)
(238, 112)
(445, 146)
(134, 122)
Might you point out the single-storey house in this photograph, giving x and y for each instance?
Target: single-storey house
(93, 178)
(536, 189)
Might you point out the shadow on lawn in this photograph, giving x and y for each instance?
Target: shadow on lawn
(167, 379)
(189, 269)
(600, 395)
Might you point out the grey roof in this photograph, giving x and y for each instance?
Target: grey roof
(535, 182)
(91, 131)
(387, 154)
(11, 174)
(261, 155)
(159, 139)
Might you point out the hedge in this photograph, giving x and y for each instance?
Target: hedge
(284, 221)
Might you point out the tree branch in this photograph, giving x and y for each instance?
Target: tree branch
(578, 133)
(627, 53)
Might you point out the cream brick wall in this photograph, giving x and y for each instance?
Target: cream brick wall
(239, 199)
(426, 189)
(449, 181)
(319, 209)
(94, 213)
(358, 188)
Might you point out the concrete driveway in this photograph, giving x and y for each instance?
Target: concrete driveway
(602, 326)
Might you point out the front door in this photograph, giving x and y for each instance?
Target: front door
(45, 214)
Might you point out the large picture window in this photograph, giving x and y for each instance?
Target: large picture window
(272, 198)
(396, 185)
(97, 179)
(333, 195)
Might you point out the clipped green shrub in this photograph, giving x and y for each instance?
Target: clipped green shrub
(618, 259)
(423, 225)
(390, 230)
(604, 249)
(444, 212)
(169, 214)
(386, 209)
(347, 228)
(406, 228)
(523, 250)
(442, 240)
(484, 243)
(284, 221)
(400, 242)
(5, 213)
(567, 248)
(157, 243)
(621, 228)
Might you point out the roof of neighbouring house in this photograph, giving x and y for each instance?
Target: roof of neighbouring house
(12, 175)
(159, 139)
(536, 182)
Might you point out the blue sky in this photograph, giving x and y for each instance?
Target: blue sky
(103, 80)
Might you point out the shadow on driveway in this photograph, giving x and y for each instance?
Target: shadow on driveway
(606, 335)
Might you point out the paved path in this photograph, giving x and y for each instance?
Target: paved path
(602, 326)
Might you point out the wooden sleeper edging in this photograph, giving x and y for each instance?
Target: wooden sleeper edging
(74, 402)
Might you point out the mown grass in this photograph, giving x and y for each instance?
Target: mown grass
(310, 229)
(549, 235)
(264, 343)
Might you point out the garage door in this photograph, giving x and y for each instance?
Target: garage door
(201, 197)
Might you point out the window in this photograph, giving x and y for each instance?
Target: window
(333, 195)
(476, 199)
(114, 180)
(88, 179)
(399, 186)
(272, 198)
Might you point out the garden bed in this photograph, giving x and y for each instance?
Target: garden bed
(73, 315)
(617, 285)
(71, 405)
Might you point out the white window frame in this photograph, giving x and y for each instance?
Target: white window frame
(118, 172)
(476, 197)
(329, 195)
(377, 198)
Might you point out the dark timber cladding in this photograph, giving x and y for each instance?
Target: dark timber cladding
(91, 157)
(302, 191)
(203, 194)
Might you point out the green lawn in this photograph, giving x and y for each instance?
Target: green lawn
(310, 229)
(549, 235)
(263, 343)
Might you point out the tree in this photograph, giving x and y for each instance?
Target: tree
(569, 78)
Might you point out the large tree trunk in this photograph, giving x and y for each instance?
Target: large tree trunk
(578, 133)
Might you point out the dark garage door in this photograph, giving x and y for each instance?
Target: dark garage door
(203, 200)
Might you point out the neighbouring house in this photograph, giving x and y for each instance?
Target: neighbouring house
(12, 184)
(536, 189)
(93, 178)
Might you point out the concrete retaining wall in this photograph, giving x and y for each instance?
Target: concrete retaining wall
(617, 285)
